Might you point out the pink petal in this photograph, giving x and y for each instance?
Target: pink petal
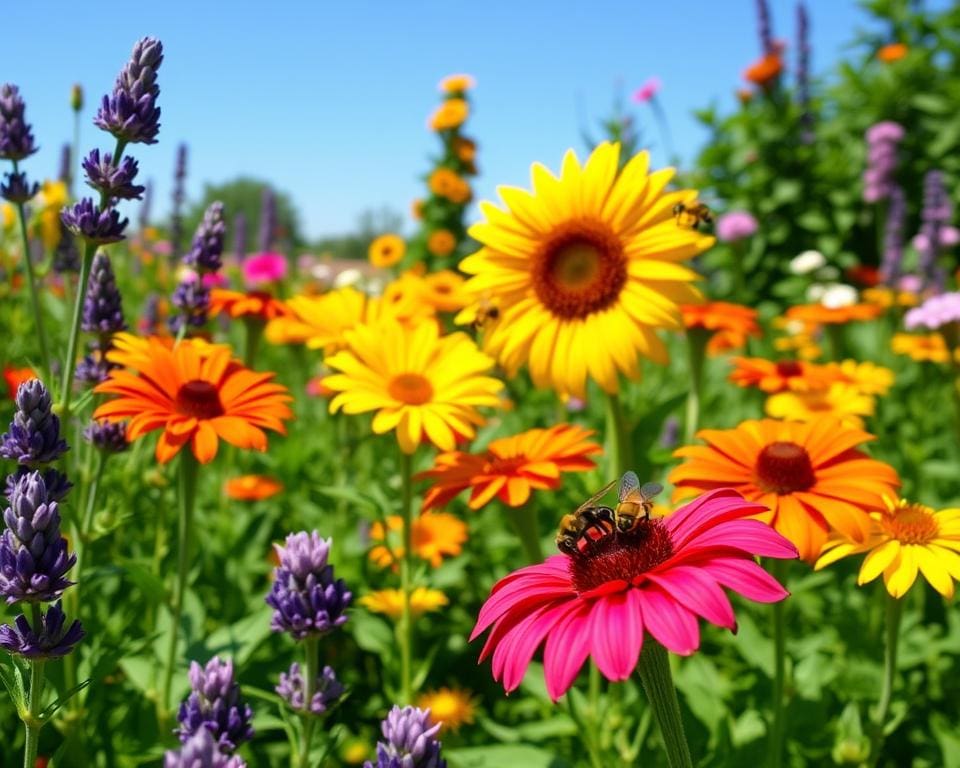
(670, 624)
(566, 650)
(750, 536)
(697, 591)
(518, 644)
(524, 594)
(701, 508)
(721, 511)
(617, 634)
(746, 578)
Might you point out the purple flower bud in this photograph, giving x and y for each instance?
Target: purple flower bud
(215, 705)
(192, 299)
(143, 219)
(268, 219)
(17, 189)
(131, 113)
(86, 220)
(102, 304)
(48, 641)
(892, 262)
(66, 257)
(107, 436)
(201, 751)
(33, 554)
(94, 368)
(936, 214)
(179, 193)
(207, 249)
(114, 181)
(878, 178)
(34, 434)
(307, 599)
(16, 138)
(58, 486)
(326, 690)
(410, 741)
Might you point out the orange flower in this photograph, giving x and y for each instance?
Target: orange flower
(451, 114)
(416, 209)
(445, 291)
(811, 476)
(729, 324)
(252, 487)
(196, 393)
(892, 52)
(764, 70)
(887, 297)
(15, 377)
(435, 535)
(457, 83)
(449, 184)
(780, 376)
(929, 348)
(819, 314)
(511, 467)
(441, 243)
(465, 149)
(259, 304)
(386, 250)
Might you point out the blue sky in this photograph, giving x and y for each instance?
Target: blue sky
(329, 100)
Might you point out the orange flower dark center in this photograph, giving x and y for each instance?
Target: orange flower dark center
(410, 388)
(619, 558)
(911, 524)
(580, 270)
(783, 468)
(199, 399)
(789, 368)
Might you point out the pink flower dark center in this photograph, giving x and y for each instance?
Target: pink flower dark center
(199, 399)
(621, 557)
(783, 468)
(789, 368)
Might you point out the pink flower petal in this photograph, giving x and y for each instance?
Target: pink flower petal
(566, 650)
(700, 593)
(745, 577)
(700, 509)
(750, 536)
(720, 511)
(519, 643)
(617, 634)
(523, 594)
(670, 624)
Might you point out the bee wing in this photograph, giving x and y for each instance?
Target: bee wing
(592, 501)
(649, 490)
(630, 488)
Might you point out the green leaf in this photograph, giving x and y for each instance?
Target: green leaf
(499, 756)
(372, 633)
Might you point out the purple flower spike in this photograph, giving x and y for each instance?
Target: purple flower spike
(201, 751)
(33, 555)
(131, 113)
(114, 181)
(17, 189)
(327, 690)
(107, 436)
(102, 305)
(16, 138)
(207, 248)
(307, 599)
(34, 434)
(50, 641)
(878, 178)
(58, 486)
(892, 262)
(86, 220)
(215, 705)
(410, 741)
(66, 258)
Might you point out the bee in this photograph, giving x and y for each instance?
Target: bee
(691, 216)
(634, 502)
(486, 312)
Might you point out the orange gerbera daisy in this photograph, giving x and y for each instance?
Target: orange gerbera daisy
(435, 535)
(511, 467)
(196, 393)
(892, 52)
(764, 70)
(252, 487)
(779, 376)
(819, 314)
(14, 377)
(446, 183)
(257, 304)
(811, 476)
(728, 324)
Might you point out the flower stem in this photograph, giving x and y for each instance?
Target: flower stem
(621, 458)
(696, 347)
(69, 364)
(312, 650)
(524, 520)
(187, 493)
(835, 335)
(32, 723)
(894, 613)
(254, 329)
(406, 625)
(777, 729)
(658, 683)
(32, 285)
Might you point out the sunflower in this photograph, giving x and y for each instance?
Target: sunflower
(450, 707)
(419, 383)
(441, 242)
(196, 393)
(728, 325)
(404, 300)
(386, 250)
(905, 538)
(592, 254)
(892, 52)
(511, 467)
(929, 348)
(764, 70)
(840, 400)
(252, 488)
(434, 536)
(457, 83)
(780, 376)
(257, 304)
(389, 602)
(444, 182)
(451, 114)
(811, 476)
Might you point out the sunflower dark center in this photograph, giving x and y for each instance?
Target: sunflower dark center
(199, 399)
(580, 270)
(784, 467)
(410, 388)
(789, 368)
(621, 557)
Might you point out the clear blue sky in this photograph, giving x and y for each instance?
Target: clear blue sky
(328, 100)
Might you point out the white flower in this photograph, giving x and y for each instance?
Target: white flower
(806, 262)
(838, 295)
(347, 277)
(815, 293)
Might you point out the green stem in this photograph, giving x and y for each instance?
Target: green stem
(894, 613)
(32, 723)
(696, 347)
(658, 683)
(308, 719)
(406, 566)
(69, 364)
(254, 328)
(524, 520)
(32, 285)
(621, 457)
(187, 493)
(777, 729)
(739, 282)
(835, 336)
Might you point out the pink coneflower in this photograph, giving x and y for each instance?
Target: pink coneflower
(736, 225)
(647, 91)
(266, 267)
(657, 579)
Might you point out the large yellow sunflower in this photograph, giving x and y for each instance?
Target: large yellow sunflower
(584, 268)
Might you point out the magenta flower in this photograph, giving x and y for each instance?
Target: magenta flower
(656, 580)
(736, 225)
(266, 267)
(647, 91)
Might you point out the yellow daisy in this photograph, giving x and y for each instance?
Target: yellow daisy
(868, 378)
(389, 602)
(841, 400)
(420, 384)
(434, 535)
(445, 291)
(591, 254)
(451, 707)
(386, 250)
(905, 538)
(931, 348)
